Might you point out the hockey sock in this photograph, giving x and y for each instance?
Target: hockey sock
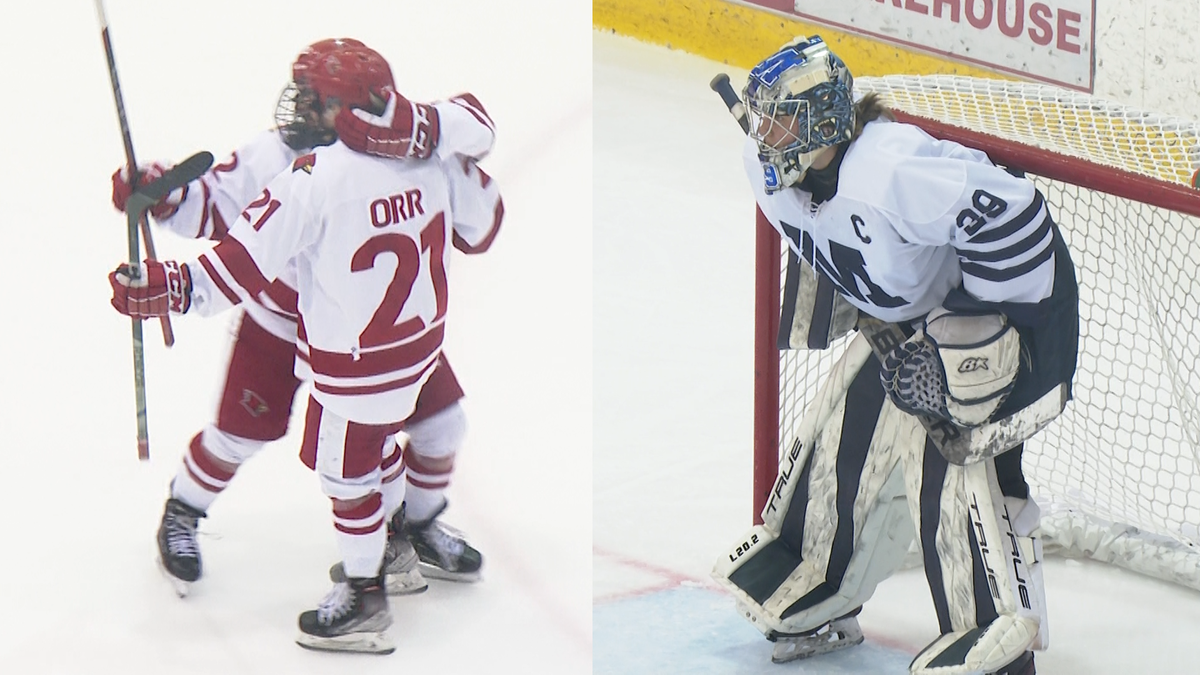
(393, 482)
(433, 442)
(361, 535)
(201, 477)
(427, 481)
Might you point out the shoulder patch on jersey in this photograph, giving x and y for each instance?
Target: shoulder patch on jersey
(305, 163)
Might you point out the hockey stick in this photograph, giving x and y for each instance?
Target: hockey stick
(143, 224)
(172, 179)
(959, 445)
(135, 210)
(139, 362)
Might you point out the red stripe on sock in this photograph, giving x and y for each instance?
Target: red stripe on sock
(362, 511)
(204, 461)
(374, 527)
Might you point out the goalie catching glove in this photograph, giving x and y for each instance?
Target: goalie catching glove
(960, 368)
(151, 289)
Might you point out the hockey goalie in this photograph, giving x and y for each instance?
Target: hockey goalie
(963, 295)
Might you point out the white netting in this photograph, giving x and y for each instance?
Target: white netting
(1118, 475)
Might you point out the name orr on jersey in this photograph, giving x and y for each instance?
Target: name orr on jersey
(372, 303)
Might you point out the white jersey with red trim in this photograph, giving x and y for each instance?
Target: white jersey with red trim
(368, 238)
(216, 199)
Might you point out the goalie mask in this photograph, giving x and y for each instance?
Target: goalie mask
(339, 71)
(799, 100)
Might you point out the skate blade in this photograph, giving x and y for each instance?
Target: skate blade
(182, 588)
(361, 643)
(403, 583)
(435, 572)
(792, 649)
(406, 583)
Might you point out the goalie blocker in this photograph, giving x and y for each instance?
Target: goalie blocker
(959, 368)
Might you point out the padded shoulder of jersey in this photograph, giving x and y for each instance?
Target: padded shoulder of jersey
(900, 169)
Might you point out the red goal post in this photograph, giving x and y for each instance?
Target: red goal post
(1118, 474)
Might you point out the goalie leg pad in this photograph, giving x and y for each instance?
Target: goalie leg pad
(837, 522)
(1011, 555)
(979, 651)
(1006, 555)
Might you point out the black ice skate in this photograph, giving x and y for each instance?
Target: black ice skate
(353, 617)
(399, 562)
(841, 633)
(443, 552)
(178, 554)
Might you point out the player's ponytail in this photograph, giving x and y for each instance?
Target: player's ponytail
(869, 109)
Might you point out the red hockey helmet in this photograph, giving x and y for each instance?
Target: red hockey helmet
(345, 69)
(340, 70)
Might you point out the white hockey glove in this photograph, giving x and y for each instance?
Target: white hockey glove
(960, 368)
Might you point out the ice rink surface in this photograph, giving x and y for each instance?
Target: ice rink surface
(81, 591)
(673, 363)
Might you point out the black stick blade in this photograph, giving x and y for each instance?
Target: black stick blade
(174, 178)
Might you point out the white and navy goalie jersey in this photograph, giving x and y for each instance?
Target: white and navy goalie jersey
(914, 218)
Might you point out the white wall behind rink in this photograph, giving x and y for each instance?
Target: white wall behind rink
(1146, 55)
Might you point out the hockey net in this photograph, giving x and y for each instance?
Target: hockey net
(1118, 474)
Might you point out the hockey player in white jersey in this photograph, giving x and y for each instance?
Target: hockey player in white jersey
(964, 260)
(260, 386)
(364, 241)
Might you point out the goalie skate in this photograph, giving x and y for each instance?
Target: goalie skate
(841, 633)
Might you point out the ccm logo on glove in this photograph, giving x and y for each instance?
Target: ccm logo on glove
(151, 289)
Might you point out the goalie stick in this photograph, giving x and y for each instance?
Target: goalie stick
(959, 445)
(135, 210)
